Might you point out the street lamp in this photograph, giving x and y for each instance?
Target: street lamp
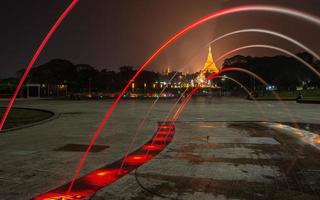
(132, 87)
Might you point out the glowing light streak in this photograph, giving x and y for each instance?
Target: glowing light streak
(138, 159)
(150, 59)
(153, 147)
(275, 9)
(161, 139)
(34, 58)
(245, 89)
(175, 117)
(100, 178)
(142, 123)
(269, 32)
(274, 48)
(165, 132)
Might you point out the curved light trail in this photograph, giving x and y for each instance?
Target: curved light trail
(245, 89)
(274, 48)
(275, 9)
(145, 118)
(214, 15)
(269, 32)
(184, 103)
(213, 77)
(189, 96)
(166, 119)
(97, 179)
(34, 58)
(167, 134)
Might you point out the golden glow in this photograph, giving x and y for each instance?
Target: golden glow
(102, 173)
(209, 68)
(167, 70)
(207, 126)
(317, 140)
(279, 126)
(298, 133)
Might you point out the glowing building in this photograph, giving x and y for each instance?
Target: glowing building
(208, 69)
(167, 71)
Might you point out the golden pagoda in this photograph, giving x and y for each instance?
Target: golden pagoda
(208, 69)
(167, 71)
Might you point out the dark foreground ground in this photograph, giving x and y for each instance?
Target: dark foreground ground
(241, 158)
(239, 161)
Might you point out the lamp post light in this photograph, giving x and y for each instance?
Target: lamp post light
(132, 87)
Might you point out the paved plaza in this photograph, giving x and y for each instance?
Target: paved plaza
(221, 150)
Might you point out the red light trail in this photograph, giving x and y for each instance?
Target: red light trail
(152, 147)
(34, 58)
(137, 159)
(148, 61)
(164, 126)
(280, 50)
(145, 118)
(92, 182)
(245, 89)
(165, 132)
(161, 139)
(185, 102)
(212, 76)
(269, 32)
(274, 48)
(276, 9)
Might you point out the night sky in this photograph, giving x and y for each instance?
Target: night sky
(112, 33)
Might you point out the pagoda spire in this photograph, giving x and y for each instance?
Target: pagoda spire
(209, 67)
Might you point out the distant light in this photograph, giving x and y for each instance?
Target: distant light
(299, 133)
(281, 126)
(271, 88)
(224, 77)
(317, 140)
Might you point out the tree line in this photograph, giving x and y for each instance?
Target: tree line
(286, 73)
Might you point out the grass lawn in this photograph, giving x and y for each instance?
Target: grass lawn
(307, 95)
(19, 117)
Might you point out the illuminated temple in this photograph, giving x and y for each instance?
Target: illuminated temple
(208, 69)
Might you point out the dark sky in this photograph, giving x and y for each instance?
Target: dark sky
(112, 33)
